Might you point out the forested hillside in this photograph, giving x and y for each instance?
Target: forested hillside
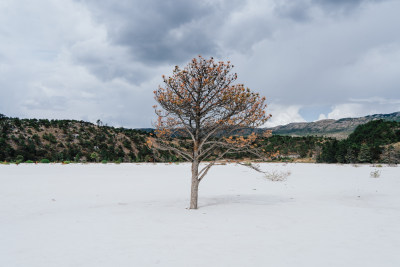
(375, 141)
(69, 140)
(45, 140)
(36, 140)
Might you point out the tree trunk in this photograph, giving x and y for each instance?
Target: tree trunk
(195, 185)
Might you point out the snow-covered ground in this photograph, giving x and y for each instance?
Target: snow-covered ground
(136, 215)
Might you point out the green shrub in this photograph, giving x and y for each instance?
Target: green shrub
(104, 161)
(45, 161)
(29, 161)
(66, 162)
(77, 158)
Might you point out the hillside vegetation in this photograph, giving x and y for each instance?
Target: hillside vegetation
(45, 140)
(42, 140)
(375, 141)
(61, 140)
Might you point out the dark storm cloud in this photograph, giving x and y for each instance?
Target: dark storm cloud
(167, 31)
(171, 32)
(161, 31)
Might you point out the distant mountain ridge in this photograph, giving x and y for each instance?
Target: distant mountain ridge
(331, 128)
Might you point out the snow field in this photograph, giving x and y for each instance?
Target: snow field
(136, 215)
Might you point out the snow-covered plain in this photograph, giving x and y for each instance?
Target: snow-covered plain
(136, 215)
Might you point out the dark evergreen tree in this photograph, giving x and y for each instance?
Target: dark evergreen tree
(365, 154)
(351, 156)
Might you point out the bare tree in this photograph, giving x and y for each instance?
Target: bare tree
(204, 116)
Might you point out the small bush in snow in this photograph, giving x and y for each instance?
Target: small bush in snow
(375, 174)
(270, 175)
(276, 176)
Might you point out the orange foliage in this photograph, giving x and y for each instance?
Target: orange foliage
(202, 100)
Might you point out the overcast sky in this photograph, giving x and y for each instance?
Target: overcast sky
(102, 59)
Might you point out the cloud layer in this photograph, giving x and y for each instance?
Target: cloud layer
(102, 59)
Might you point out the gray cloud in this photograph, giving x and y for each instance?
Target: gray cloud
(164, 31)
(295, 10)
(142, 35)
(304, 10)
(57, 103)
(340, 3)
(173, 31)
(107, 62)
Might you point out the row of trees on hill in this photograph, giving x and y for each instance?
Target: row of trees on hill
(68, 140)
(370, 142)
